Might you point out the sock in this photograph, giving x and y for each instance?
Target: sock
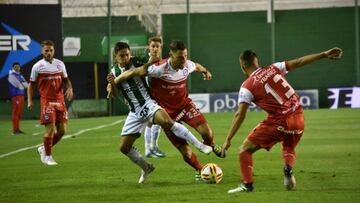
(56, 138)
(183, 133)
(208, 140)
(147, 136)
(155, 132)
(289, 158)
(47, 145)
(246, 166)
(136, 157)
(193, 161)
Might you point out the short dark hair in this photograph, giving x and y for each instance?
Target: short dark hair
(177, 45)
(16, 63)
(247, 57)
(121, 45)
(47, 43)
(154, 39)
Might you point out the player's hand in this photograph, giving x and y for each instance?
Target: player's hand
(30, 105)
(207, 75)
(109, 91)
(334, 53)
(225, 147)
(154, 58)
(110, 78)
(69, 94)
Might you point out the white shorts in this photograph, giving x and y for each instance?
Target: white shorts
(136, 122)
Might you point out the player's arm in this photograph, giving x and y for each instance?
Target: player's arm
(334, 53)
(205, 72)
(238, 119)
(30, 93)
(69, 90)
(140, 71)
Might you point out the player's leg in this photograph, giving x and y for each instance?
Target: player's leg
(130, 132)
(127, 148)
(48, 119)
(207, 134)
(193, 117)
(45, 150)
(61, 129)
(246, 167)
(61, 124)
(21, 109)
(164, 120)
(147, 138)
(291, 137)
(15, 112)
(155, 133)
(262, 136)
(188, 155)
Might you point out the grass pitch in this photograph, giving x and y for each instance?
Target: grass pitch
(91, 169)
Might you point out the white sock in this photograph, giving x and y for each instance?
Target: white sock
(155, 132)
(136, 157)
(147, 136)
(183, 133)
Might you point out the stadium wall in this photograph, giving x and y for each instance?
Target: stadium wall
(218, 38)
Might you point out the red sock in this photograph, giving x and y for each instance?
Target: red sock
(56, 138)
(193, 162)
(47, 145)
(208, 141)
(246, 166)
(289, 157)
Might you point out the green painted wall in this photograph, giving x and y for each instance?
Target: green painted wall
(92, 32)
(218, 38)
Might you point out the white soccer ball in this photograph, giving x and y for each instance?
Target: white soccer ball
(211, 173)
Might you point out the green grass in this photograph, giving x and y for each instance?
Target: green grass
(91, 169)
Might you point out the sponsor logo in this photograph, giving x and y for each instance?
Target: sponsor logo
(20, 46)
(348, 97)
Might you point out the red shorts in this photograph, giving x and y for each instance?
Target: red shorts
(273, 130)
(53, 112)
(190, 115)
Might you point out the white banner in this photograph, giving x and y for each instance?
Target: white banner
(71, 46)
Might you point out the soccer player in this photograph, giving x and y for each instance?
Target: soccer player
(17, 86)
(152, 131)
(168, 88)
(142, 108)
(50, 73)
(268, 89)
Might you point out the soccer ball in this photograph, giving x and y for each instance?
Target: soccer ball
(211, 173)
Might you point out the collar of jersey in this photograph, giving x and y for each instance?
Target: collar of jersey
(256, 70)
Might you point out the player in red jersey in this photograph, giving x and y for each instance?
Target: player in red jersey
(268, 89)
(168, 88)
(49, 74)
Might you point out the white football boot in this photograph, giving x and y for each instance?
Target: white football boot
(205, 149)
(145, 173)
(41, 151)
(50, 161)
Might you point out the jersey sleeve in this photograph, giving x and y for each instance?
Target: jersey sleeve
(281, 66)
(190, 65)
(65, 75)
(245, 96)
(34, 73)
(154, 71)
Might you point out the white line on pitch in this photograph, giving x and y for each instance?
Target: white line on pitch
(65, 137)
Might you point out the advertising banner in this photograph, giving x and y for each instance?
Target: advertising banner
(227, 102)
(22, 29)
